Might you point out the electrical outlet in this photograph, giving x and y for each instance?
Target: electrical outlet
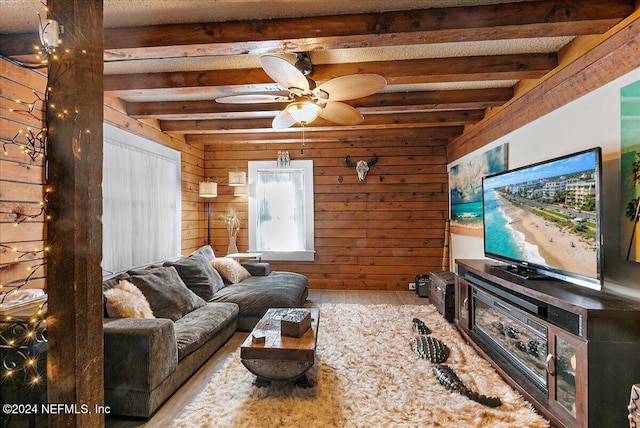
(412, 286)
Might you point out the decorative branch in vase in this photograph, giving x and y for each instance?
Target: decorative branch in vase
(233, 222)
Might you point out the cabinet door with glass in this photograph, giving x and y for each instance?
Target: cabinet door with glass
(462, 303)
(567, 367)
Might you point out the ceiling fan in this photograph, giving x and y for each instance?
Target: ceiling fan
(307, 102)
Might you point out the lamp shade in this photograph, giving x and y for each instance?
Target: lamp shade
(208, 189)
(241, 190)
(237, 178)
(304, 110)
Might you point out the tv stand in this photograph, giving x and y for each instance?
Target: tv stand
(520, 271)
(573, 352)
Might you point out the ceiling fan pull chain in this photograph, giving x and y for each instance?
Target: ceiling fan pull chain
(302, 148)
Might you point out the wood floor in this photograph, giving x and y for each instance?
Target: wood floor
(194, 385)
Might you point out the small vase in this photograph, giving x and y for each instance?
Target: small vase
(232, 248)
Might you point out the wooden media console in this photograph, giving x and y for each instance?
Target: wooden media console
(572, 351)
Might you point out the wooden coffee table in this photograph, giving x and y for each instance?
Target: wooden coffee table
(280, 358)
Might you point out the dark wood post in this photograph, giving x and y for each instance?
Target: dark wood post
(75, 112)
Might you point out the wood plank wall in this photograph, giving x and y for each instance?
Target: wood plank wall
(376, 234)
(21, 179)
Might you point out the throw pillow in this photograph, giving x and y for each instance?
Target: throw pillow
(112, 282)
(198, 275)
(206, 251)
(125, 300)
(230, 269)
(165, 291)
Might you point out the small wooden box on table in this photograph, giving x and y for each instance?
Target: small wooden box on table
(280, 357)
(295, 322)
(442, 294)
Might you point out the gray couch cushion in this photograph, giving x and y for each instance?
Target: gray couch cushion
(198, 275)
(205, 251)
(197, 327)
(257, 294)
(165, 291)
(257, 268)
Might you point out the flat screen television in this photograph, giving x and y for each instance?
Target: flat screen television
(544, 219)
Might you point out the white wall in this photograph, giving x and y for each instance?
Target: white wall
(590, 121)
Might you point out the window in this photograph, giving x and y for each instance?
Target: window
(141, 201)
(281, 210)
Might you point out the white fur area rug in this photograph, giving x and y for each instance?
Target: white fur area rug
(366, 375)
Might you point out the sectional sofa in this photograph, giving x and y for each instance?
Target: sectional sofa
(196, 310)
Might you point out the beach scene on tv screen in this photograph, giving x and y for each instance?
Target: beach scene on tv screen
(545, 215)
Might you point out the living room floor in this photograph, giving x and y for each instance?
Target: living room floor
(194, 385)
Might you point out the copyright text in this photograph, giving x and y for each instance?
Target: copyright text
(54, 409)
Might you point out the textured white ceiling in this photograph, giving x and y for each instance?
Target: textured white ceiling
(21, 15)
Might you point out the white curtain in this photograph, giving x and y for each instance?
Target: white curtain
(141, 202)
(281, 217)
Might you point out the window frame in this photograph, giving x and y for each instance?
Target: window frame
(308, 254)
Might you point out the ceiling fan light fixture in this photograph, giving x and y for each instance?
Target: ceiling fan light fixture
(306, 101)
(304, 111)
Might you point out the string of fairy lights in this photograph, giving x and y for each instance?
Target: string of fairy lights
(23, 340)
(35, 143)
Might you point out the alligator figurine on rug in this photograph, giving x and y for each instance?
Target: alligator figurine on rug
(452, 382)
(420, 327)
(431, 349)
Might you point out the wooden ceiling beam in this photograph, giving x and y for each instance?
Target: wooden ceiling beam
(194, 109)
(430, 70)
(610, 58)
(511, 20)
(394, 101)
(492, 67)
(406, 120)
(345, 135)
(434, 25)
(454, 99)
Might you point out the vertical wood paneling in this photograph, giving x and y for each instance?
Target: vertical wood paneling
(376, 234)
(21, 178)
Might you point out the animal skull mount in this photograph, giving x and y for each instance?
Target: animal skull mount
(362, 166)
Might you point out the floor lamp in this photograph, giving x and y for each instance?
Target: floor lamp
(208, 190)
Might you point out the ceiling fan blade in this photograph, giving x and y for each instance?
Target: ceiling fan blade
(283, 120)
(341, 113)
(252, 99)
(283, 72)
(352, 86)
